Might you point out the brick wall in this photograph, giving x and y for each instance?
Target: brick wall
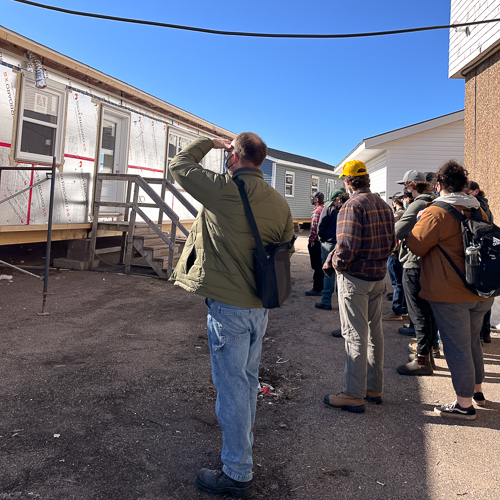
(482, 129)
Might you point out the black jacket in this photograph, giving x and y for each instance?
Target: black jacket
(327, 227)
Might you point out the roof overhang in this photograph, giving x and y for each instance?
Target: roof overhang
(300, 165)
(373, 146)
(18, 44)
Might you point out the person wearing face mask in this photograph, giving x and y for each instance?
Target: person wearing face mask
(314, 246)
(218, 263)
(395, 268)
(327, 232)
(459, 312)
(474, 190)
(419, 309)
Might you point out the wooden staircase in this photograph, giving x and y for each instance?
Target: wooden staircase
(161, 250)
(155, 250)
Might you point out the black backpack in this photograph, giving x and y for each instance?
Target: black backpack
(482, 252)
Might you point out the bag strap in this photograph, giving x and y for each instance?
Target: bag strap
(450, 209)
(250, 218)
(454, 266)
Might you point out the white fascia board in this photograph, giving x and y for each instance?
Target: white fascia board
(361, 153)
(298, 165)
(381, 139)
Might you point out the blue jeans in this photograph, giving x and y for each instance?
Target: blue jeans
(328, 283)
(395, 270)
(235, 339)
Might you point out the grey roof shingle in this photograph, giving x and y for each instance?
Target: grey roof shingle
(282, 155)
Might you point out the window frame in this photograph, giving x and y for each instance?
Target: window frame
(54, 88)
(317, 184)
(288, 184)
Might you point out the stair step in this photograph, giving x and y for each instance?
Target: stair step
(164, 260)
(161, 250)
(143, 228)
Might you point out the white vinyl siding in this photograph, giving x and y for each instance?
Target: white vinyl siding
(425, 152)
(377, 170)
(465, 49)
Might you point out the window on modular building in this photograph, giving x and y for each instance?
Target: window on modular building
(40, 122)
(330, 186)
(314, 184)
(289, 183)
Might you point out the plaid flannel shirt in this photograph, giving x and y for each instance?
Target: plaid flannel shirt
(315, 222)
(365, 236)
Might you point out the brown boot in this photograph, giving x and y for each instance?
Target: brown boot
(375, 398)
(420, 366)
(413, 356)
(343, 401)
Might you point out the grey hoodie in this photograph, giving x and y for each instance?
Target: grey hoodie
(405, 225)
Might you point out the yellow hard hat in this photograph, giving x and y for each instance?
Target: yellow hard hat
(353, 168)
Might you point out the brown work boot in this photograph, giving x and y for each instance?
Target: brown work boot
(343, 401)
(392, 316)
(420, 366)
(412, 356)
(375, 398)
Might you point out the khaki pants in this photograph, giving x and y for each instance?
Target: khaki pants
(360, 307)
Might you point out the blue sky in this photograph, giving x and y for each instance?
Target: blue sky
(316, 98)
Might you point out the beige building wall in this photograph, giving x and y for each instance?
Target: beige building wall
(482, 128)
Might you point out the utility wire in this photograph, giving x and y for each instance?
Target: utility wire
(259, 35)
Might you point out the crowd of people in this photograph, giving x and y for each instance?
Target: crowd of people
(410, 245)
(355, 238)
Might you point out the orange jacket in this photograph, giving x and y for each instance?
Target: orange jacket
(438, 281)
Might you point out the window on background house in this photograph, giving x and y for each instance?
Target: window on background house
(289, 183)
(314, 184)
(330, 186)
(40, 125)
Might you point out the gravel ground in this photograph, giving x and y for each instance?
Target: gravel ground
(110, 397)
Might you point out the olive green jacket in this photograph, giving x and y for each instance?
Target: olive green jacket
(217, 261)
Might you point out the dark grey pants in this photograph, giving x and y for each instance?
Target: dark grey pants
(459, 325)
(420, 312)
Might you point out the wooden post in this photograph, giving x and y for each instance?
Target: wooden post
(171, 252)
(131, 229)
(95, 221)
(126, 217)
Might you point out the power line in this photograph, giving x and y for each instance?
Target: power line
(257, 35)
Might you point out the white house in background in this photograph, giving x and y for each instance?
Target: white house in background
(424, 147)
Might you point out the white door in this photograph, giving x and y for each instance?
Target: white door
(113, 156)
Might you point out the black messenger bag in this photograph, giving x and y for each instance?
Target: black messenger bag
(272, 263)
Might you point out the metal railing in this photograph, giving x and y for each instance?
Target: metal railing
(134, 208)
(49, 223)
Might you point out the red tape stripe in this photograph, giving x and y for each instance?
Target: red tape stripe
(79, 158)
(4, 145)
(144, 168)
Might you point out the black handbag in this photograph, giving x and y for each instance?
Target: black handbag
(272, 263)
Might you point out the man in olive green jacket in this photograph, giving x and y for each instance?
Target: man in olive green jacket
(217, 263)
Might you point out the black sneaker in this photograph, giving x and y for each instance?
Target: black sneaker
(409, 332)
(313, 293)
(320, 305)
(216, 481)
(479, 399)
(454, 410)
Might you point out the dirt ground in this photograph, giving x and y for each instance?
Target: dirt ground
(110, 397)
